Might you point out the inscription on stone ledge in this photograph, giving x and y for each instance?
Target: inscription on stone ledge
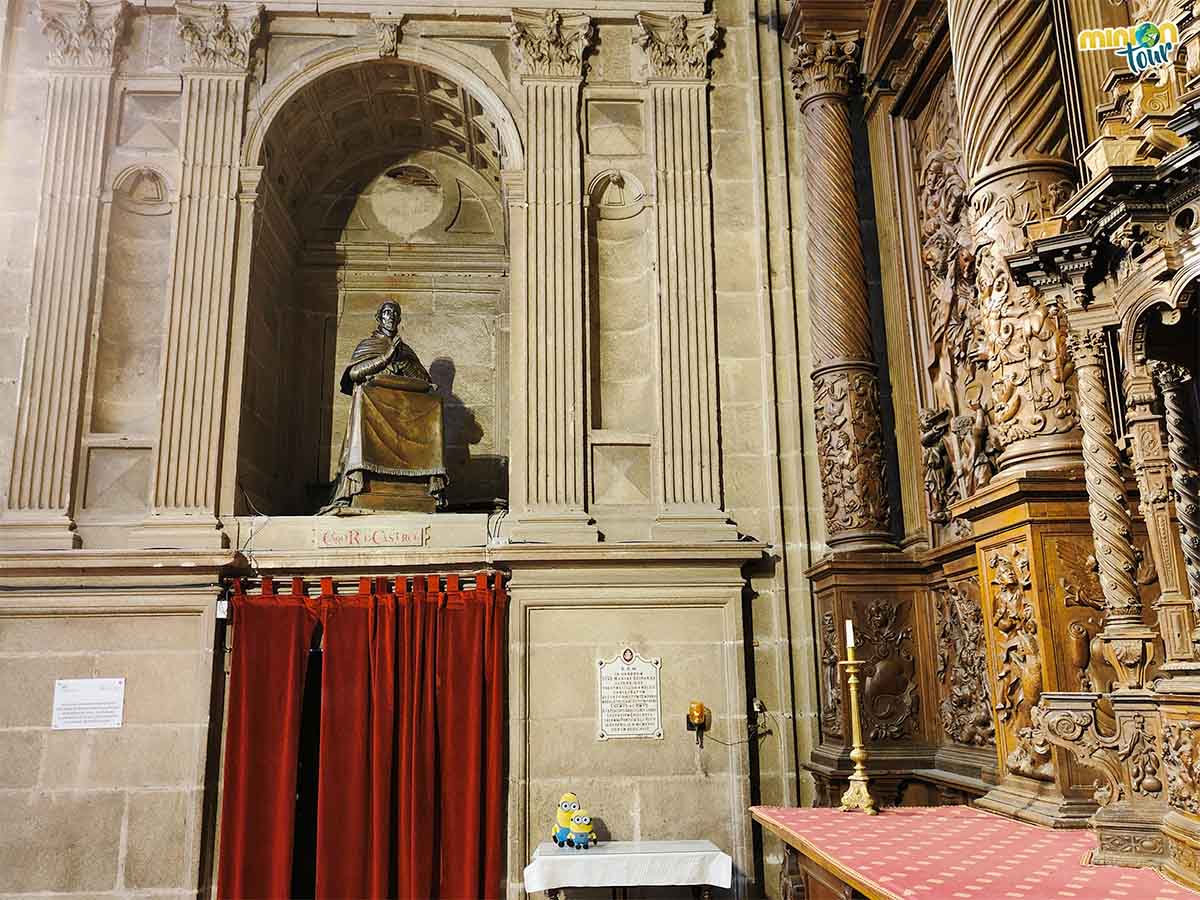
(368, 536)
(630, 696)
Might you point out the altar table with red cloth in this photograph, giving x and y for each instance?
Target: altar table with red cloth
(956, 853)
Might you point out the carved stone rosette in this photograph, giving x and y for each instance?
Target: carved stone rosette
(677, 47)
(1016, 150)
(549, 44)
(1174, 381)
(83, 34)
(1112, 522)
(849, 433)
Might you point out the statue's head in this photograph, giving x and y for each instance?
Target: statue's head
(388, 316)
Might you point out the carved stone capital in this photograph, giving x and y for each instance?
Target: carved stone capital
(388, 31)
(83, 35)
(218, 37)
(549, 44)
(851, 450)
(825, 65)
(677, 47)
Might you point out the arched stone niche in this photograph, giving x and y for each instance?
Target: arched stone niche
(622, 350)
(122, 403)
(380, 180)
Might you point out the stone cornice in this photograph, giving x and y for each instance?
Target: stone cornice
(218, 37)
(83, 35)
(824, 65)
(676, 47)
(549, 44)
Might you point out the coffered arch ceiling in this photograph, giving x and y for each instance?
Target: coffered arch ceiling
(371, 110)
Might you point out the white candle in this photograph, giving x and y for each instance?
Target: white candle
(849, 633)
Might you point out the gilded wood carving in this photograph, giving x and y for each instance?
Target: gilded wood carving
(965, 706)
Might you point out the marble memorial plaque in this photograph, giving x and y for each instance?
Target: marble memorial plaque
(88, 703)
(630, 696)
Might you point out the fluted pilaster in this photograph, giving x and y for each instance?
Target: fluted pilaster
(1016, 150)
(677, 51)
(217, 55)
(849, 431)
(551, 407)
(1174, 382)
(84, 41)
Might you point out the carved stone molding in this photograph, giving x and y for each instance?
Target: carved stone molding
(831, 677)
(851, 451)
(1019, 660)
(965, 706)
(824, 65)
(1174, 381)
(677, 47)
(388, 32)
(83, 34)
(218, 37)
(549, 44)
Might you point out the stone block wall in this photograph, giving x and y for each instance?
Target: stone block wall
(105, 811)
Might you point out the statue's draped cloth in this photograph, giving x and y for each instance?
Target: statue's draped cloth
(395, 425)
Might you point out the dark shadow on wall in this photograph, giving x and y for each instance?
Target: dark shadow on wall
(478, 481)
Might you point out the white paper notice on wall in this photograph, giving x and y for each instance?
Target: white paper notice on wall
(88, 703)
(630, 696)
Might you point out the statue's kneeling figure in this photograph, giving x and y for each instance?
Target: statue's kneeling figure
(392, 454)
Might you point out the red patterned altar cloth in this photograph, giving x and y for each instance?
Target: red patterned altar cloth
(958, 853)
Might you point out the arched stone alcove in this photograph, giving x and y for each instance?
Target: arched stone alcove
(380, 180)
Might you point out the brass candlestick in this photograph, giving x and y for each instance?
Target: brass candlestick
(857, 795)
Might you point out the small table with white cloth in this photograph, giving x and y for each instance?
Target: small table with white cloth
(622, 864)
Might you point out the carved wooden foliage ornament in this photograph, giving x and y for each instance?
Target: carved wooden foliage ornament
(1181, 759)
(1019, 664)
(891, 699)
(850, 444)
(831, 709)
(824, 65)
(965, 707)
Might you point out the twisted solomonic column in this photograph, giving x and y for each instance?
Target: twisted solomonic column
(1126, 640)
(1016, 152)
(1112, 523)
(849, 432)
(1174, 382)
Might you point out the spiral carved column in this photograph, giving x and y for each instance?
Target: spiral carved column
(1016, 149)
(1174, 382)
(849, 433)
(1126, 639)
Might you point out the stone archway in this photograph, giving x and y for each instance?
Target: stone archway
(366, 179)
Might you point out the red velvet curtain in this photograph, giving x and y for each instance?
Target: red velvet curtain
(410, 781)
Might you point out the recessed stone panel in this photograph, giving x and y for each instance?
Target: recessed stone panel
(614, 128)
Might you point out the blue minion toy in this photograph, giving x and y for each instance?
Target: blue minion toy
(582, 833)
(568, 805)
